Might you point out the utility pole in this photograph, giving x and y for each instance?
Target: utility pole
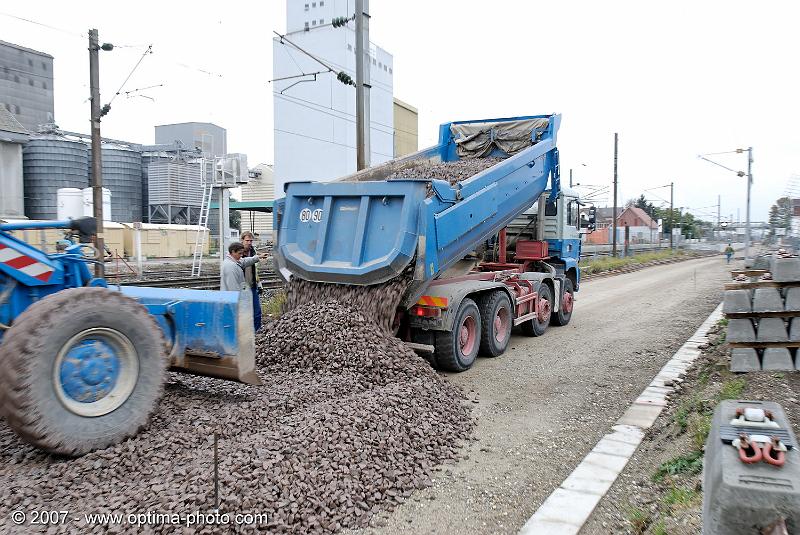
(749, 185)
(97, 163)
(671, 217)
(719, 198)
(570, 177)
(362, 85)
(614, 213)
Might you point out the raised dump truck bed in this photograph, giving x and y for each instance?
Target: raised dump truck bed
(441, 215)
(369, 227)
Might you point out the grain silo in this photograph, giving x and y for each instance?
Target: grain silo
(51, 162)
(148, 158)
(122, 174)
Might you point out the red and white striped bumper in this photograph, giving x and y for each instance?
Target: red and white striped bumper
(25, 264)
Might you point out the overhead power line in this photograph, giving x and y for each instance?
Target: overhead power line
(146, 52)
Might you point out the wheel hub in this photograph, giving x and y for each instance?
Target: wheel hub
(501, 322)
(544, 310)
(467, 335)
(567, 302)
(95, 372)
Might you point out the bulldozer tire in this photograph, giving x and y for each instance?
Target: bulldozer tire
(497, 318)
(81, 370)
(456, 350)
(538, 326)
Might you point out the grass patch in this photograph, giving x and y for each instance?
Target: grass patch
(699, 427)
(639, 519)
(732, 389)
(608, 263)
(659, 528)
(691, 463)
(274, 305)
(686, 409)
(723, 322)
(678, 497)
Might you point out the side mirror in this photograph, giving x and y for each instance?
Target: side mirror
(589, 221)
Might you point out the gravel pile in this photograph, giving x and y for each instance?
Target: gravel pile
(450, 171)
(349, 423)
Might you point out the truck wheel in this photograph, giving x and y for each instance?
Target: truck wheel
(81, 369)
(537, 325)
(496, 321)
(456, 350)
(564, 313)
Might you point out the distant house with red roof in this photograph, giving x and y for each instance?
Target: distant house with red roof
(642, 228)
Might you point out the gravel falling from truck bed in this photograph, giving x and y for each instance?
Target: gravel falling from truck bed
(349, 423)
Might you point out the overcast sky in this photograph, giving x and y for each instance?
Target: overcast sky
(674, 79)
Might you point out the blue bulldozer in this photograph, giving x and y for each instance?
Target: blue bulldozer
(83, 363)
(486, 250)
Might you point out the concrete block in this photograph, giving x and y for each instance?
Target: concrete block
(785, 269)
(744, 359)
(741, 330)
(772, 330)
(794, 330)
(767, 300)
(737, 301)
(741, 498)
(792, 301)
(778, 359)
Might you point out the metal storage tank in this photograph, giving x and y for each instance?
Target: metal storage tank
(147, 159)
(87, 203)
(122, 174)
(69, 203)
(51, 162)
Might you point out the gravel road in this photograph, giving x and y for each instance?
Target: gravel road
(545, 403)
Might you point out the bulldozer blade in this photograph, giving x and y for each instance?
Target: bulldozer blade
(210, 333)
(240, 367)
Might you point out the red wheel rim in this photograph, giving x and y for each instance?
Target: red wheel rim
(544, 310)
(567, 302)
(467, 335)
(501, 322)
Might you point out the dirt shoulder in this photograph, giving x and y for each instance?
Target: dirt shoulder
(660, 492)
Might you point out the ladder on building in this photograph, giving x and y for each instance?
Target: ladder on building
(202, 222)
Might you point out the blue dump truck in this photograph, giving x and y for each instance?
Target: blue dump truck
(485, 252)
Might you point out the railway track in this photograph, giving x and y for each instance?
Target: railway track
(204, 282)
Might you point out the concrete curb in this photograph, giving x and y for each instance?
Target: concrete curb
(568, 508)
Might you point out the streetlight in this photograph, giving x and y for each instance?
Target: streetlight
(570, 174)
(749, 176)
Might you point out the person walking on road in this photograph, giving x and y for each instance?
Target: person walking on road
(728, 253)
(251, 276)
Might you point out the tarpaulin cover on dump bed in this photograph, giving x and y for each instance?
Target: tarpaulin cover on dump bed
(476, 140)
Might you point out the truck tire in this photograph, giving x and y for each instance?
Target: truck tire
(456, 350)
(82, 369)
(496, 321)
(564, 313)
(537, 326)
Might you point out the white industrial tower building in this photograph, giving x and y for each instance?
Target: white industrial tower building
(315, 125)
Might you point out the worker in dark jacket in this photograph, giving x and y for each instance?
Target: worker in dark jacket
(251, 277)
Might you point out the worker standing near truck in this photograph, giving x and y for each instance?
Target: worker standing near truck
(233, 267)
(251, 277)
